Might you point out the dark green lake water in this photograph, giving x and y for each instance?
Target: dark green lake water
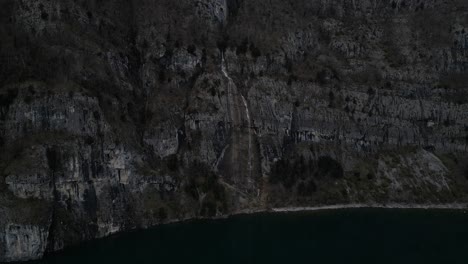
(341, 236)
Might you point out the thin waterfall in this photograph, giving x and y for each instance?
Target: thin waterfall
(232, 91)
(250, 135)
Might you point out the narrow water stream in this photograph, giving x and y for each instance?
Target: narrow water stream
(235, 100)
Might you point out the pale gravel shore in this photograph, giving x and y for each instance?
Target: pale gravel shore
(324, 208)
(308, 209)
(386, 206)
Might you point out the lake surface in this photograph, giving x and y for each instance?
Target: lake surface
(338, 236)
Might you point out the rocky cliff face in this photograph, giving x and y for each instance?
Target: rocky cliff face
(123, 114)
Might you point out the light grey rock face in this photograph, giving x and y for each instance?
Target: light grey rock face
(126, 114)
(65, 113)
(24, 242)
(28, 179)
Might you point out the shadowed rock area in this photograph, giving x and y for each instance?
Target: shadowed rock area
(125, 114)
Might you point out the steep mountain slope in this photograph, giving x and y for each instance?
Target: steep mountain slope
(124, 114)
